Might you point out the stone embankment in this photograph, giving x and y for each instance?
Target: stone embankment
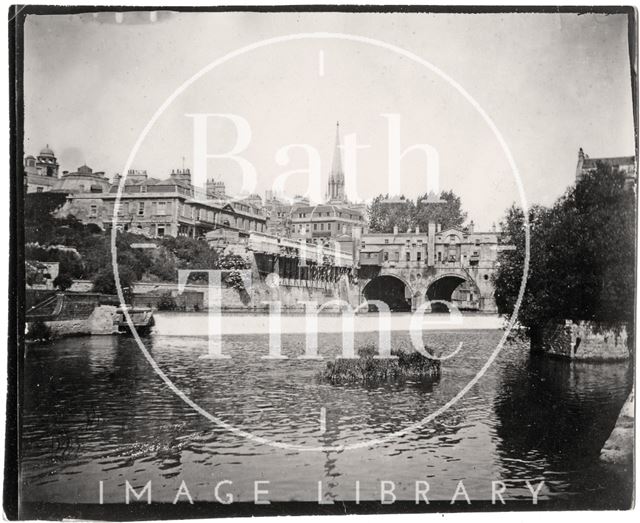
(100, 321)
(618, 449)
(583, 341)
(69, 314)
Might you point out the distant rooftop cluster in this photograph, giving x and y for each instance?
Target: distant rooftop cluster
(175, 206)
(625, 164)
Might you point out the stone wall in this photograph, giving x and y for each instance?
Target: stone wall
(291, 294)
(99, 322)
(582, 341)
(618, 449)
(81, 286)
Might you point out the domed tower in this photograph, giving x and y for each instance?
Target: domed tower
(47, 163)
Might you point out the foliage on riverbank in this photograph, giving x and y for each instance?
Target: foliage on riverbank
(582, 255)
(84, 250)
(38, 332)
(366, 369)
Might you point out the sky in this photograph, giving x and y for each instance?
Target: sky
(551, 83)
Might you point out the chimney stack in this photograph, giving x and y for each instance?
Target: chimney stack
(471, 226)
(395, 229)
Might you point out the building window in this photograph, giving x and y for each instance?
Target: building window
(386, 256)
(143, 188)
(93, 211)
(439, 256)
(39, 189)
(162, 208)
(315, 226)
(418, 256)
(386, 241)
(160, 230)
(140, 208)
(408, 256)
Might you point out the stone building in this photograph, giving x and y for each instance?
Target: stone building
(156, 207)
(318, 224)
(41, 172)
(216, 188)
(335, 218)
(84, 180)
(324, 222)
(278, 214)
(451, 265)
(626, 164)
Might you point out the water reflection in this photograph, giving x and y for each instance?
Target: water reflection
(94, 410)
(554, 416)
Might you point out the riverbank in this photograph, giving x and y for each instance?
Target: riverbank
(618, 449)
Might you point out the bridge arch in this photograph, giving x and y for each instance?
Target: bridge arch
(392, 290)
(444, 287)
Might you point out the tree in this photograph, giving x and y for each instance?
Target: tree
(36, 273)
(582, 256)
(449, 214)
(63, 281)
(40, 206)
(104, 281)
(385, 213)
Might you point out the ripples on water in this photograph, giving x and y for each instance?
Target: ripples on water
(95, 410)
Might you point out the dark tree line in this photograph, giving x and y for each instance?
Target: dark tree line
(582, 255)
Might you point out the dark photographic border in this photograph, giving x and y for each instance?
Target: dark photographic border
(15, 510)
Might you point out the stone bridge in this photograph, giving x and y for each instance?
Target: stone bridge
(407, 288)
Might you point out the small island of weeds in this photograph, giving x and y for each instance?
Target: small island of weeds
(367, 369)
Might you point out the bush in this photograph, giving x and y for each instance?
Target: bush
(63, 281)
(38, 331)
(167, 303)
(366, 369)
(104, 281)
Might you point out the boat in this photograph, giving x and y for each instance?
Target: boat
(142, 318)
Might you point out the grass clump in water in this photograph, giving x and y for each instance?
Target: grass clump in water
(366, 369)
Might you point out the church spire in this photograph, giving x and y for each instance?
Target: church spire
(336, 166)
(335, 188)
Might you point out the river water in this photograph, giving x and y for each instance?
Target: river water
(96, 411)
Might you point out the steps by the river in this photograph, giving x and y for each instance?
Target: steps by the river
(618, 449)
